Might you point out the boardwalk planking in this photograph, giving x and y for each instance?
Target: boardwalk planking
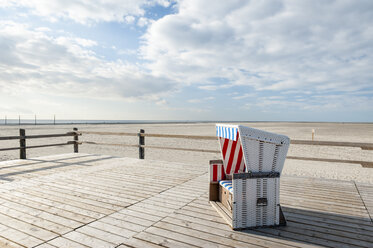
(84, 200)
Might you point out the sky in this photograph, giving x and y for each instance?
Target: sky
(272, 60)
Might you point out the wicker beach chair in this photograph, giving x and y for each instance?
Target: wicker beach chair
(244, 185)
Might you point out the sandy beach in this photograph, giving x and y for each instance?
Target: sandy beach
(348, 132)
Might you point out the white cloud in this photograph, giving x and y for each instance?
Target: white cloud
(142, 22)
(34, 63)
(129, 19)
(203, 99)
(244, 96)
(85, 12)
(268, 45)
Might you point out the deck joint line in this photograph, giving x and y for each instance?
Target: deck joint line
(370, 217)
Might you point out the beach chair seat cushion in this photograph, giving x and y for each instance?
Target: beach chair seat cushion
(227, 184)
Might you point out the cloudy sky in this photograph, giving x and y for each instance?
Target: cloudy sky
(282, 60)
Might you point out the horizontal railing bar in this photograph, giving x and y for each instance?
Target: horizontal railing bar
(363, 163)
(105, 144)
(57, 144)
(9, 149)
(364, 146)
(38, 146)
(109, 133)
(181, 149)
(38, 136)
(179, 136)
(148, 146)
(153, 135)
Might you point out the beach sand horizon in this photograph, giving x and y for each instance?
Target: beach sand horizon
(324, 131)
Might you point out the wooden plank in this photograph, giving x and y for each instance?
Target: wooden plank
(18, 237)
(330, 217)
(137, 224)
(64, 242)
(161, 241)
(7, 243)
(91, 210)
(27, 228)
(204, 236)
(42, 214)
(327, 223)
(176, 213)
(366, 193)
(139, 213)
(332, 234)
(138, 243)
(84, 214)
(237, 236)
(222, 213)
(45, 245)
(39, 222)
(88, 240)
(74, 219)
(102, 234)
(110, 228)
(249, 234)
(183, 238)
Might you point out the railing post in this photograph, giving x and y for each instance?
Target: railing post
(141, 143)
(76, 145)
(22, 144)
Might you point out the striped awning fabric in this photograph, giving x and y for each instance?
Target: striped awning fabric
(226, 132)
(231, 148)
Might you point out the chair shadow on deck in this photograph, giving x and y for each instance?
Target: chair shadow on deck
(314, 227)
(84, 161)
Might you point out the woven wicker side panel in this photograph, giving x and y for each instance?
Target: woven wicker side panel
(273, 199)
(246, 211)
(280, 160)
(259, 194)
(251, 151)
(268, 155)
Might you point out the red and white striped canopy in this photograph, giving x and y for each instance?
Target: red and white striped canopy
(231, 149)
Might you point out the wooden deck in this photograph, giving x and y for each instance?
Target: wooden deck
(83, 200)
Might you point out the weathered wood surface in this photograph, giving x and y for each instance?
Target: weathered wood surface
(83, 200)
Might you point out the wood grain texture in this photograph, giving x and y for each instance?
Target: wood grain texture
(85, 200)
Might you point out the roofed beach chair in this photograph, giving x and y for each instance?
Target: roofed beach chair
(244, 185)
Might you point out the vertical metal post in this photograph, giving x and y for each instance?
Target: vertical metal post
(54, 119)
(5, 120)
(22, 144)
(76, 145)
(19, 120)
(141, 143)
(35, 119)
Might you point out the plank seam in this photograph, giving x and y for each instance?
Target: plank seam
(370, 217)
